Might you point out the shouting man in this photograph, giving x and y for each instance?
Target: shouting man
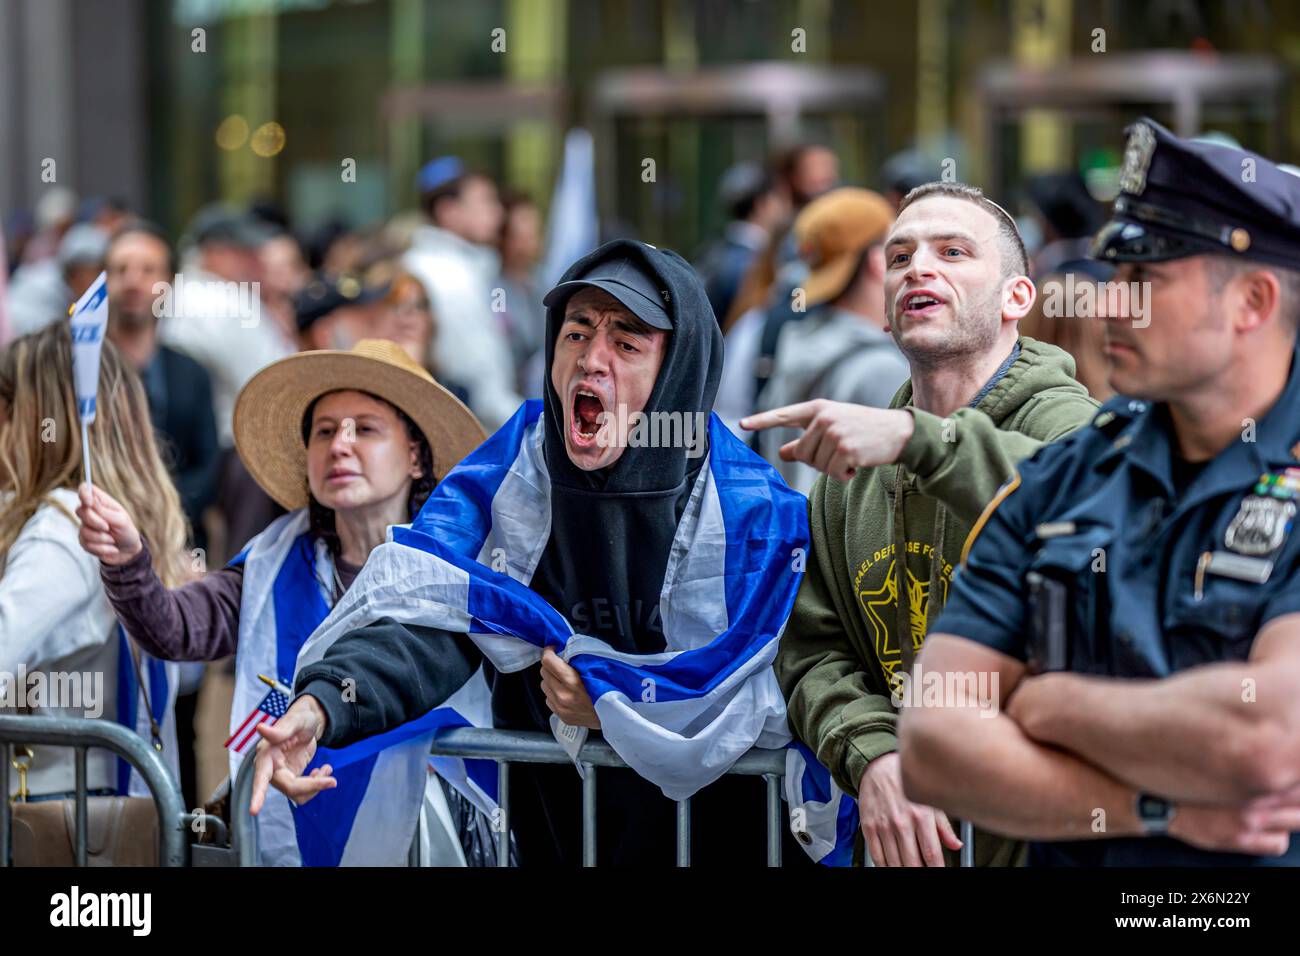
(906, 484)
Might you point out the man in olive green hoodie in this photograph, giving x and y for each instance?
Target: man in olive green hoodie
(910, 482)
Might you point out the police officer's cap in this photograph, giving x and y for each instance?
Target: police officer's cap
(1183, 197)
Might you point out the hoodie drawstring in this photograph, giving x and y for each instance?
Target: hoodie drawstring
(936, 597)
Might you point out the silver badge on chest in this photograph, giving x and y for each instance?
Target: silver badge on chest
(1260, 526)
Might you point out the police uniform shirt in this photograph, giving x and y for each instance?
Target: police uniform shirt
(1157, 582)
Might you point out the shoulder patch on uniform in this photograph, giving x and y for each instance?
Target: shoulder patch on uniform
(1010, 485)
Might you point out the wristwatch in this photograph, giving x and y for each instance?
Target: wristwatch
(1154, 813)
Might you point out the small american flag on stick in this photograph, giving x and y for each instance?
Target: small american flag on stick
(271, 709)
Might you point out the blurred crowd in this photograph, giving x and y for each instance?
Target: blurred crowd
(452, 283)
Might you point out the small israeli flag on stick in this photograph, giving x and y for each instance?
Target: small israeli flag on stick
(89, 320)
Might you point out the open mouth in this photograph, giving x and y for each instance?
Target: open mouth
(920, 302)
(586, 417)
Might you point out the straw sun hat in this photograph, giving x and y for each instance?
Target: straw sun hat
(270, 409)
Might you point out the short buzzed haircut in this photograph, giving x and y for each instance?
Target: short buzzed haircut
(1015, 261)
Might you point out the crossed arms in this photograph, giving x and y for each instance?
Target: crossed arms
(1223, 740)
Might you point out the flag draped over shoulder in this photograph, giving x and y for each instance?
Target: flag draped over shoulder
(679, 718)
(370, 817)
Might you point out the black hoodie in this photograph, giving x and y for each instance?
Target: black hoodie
(612, 529)
(602, 568)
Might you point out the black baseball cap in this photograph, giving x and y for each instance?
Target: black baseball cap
(625, 280)
(323, 294)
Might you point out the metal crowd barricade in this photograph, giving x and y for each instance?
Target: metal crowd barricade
(527, 746)
(82, 733)
(523, 746)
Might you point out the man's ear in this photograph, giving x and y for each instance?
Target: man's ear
(1258, 299)
(1018, 297)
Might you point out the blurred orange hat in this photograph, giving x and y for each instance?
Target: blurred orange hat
(833, 231)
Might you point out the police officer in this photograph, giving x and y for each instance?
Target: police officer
(1135, 589)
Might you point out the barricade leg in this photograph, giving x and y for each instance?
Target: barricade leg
(503, 804)
(83, 811)
(589, 814)
(774, 822)
(684, 832)
(6, 750)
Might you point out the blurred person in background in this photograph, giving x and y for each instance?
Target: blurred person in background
(407, 318)
(756, 208)
(399, 231)
(332, 247)
(54, 215)
(108, 214)
(454, 255)
(1068, 217)
(337, 313)
(904, 171)
(284, 274)
(842, 350)
(805, 172)
(54, 615)
(19, 229)
(81, 254)
(40, 292)
(743, 374)
(524, 317)
(178, 389)
(215, 316)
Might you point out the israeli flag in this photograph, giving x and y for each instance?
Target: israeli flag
(89, 320)
(823, 818)
(370, 817)
(679, 718)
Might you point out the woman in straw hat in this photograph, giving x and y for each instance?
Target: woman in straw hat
(350, 443)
